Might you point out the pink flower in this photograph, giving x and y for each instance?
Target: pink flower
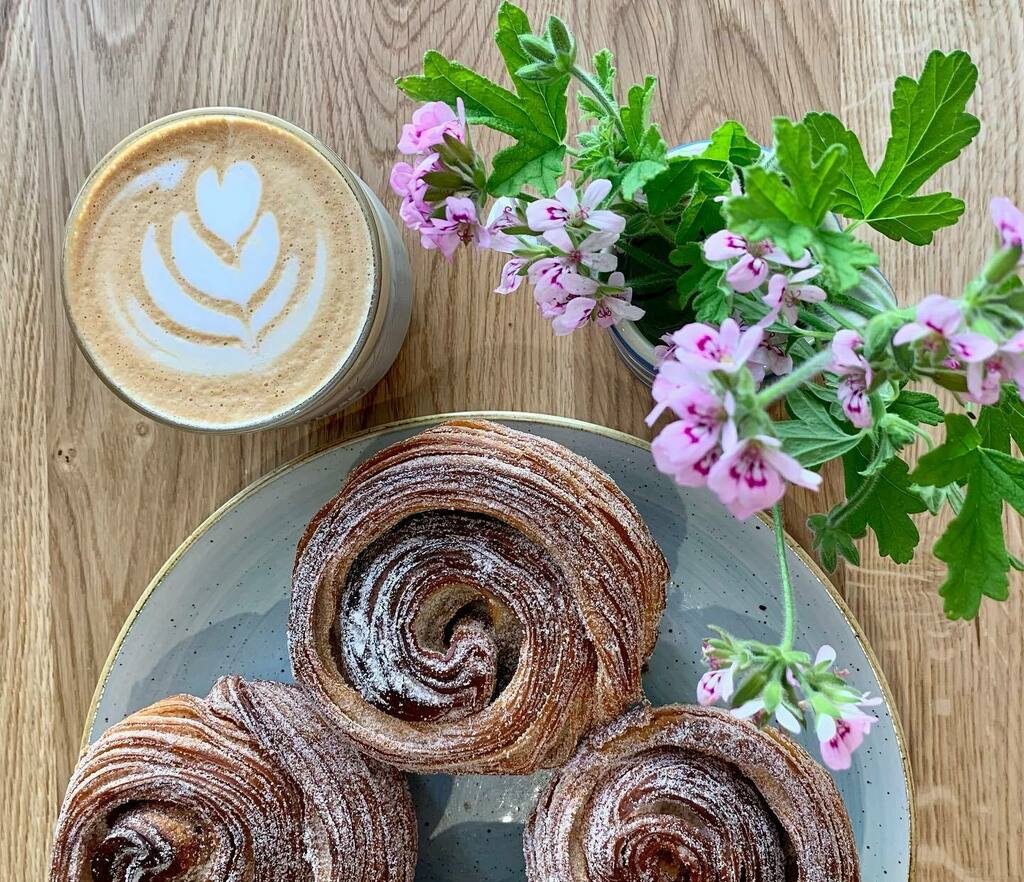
(511, 275)
(985, 379)
(856, 377)
(567, 209)
(752, 475)
(614, 306)
(664, 350)
(407, 181)
(1009, 221)
(430, 123)
(688, 447)
(563, 271)
(459, 225)
(785, 294)
(839, 738)
(939, 321)
(770, 357)
(703, 348)
(751, 260)
(504, 213)
(716, 685)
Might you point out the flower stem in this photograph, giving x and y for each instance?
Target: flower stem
(854, 304)
(787, 585)
(599, 95)
(795, 379)
(836, 518)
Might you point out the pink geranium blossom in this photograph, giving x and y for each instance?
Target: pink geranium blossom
(567, 209)
(939, 321)
(985, 379)
(407, 182)
(855, 377)
(716, 685)
(512, 275)
(770, 357)
(1009, 221)
(613, 306)
(785, 294)
(838, 739)
(703, 348)
(563, 271)
(750, 261)
(687, 448)
(430, 123)
(458, 226)
(752, 474)
(665, 350)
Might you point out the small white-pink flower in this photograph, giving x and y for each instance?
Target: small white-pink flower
(458, 226)
(688, 448)
(613, 304)
(938, 322)
(786, 293)
(567, 209)
(839, 738)
(1009, 221)
(430, 123)
(752, 475)
(750, 262)
(855, 377)
(716, 685)
(703, 348)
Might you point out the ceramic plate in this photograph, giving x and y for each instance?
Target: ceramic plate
(220, 606)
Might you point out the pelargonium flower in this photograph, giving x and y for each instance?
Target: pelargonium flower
(1009, 221)
(664, 350)
(939, 322)
(430, 123)
(770, 357)
(786, 293)
(567, 209)
(838, 739)
(512, 275)
(716, 685)
(407, 182)
(728, 348)
(751, 261)
(855, 377)
(752, 473)
(505, 212)
(563, 270)
(458, 226)
(755, 706)
(689, 447)
(985, 379)
(613, 306)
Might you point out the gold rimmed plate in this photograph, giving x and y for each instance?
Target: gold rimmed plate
(220, 605)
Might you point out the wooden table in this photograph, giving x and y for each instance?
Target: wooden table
(95, 496)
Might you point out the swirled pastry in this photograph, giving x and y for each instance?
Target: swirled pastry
(690, 793)
(254, 783)
(474, 599)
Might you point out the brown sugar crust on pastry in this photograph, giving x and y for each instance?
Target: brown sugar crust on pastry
(474, 600)
(251, 784)
(690, 793)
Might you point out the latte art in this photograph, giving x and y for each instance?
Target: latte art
(220, 269)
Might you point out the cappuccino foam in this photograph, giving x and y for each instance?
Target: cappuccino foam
(219, 270)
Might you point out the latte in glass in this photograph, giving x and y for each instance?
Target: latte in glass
(224, 271)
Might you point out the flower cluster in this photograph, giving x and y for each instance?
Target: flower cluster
(762, 682)
(722, 438)
(562, 245)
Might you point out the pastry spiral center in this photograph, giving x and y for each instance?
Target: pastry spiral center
(666, 816)
(431, 620)
(153, 842)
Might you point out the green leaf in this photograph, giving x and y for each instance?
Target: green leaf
(929, 129)
(712, 301)
(534, 115)
(994, 429)
(812, 436)
(683, 176)
(917, 407)
(954, 459)
(830, 542)
(974, 551)
(886, 507)
(604, 70)
(639, 173)
(635, 112)
(729, 143)
(842, 256)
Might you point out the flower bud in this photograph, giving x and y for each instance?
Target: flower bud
(562, 41)
(1001, 264)
(539, 72)
(537, 48)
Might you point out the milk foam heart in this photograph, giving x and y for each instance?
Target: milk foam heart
(219, 269)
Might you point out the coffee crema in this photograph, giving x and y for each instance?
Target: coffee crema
(219, 270)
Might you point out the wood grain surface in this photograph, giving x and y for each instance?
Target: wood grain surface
(95, 496)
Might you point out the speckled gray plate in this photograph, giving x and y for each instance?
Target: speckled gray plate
(219, 606)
